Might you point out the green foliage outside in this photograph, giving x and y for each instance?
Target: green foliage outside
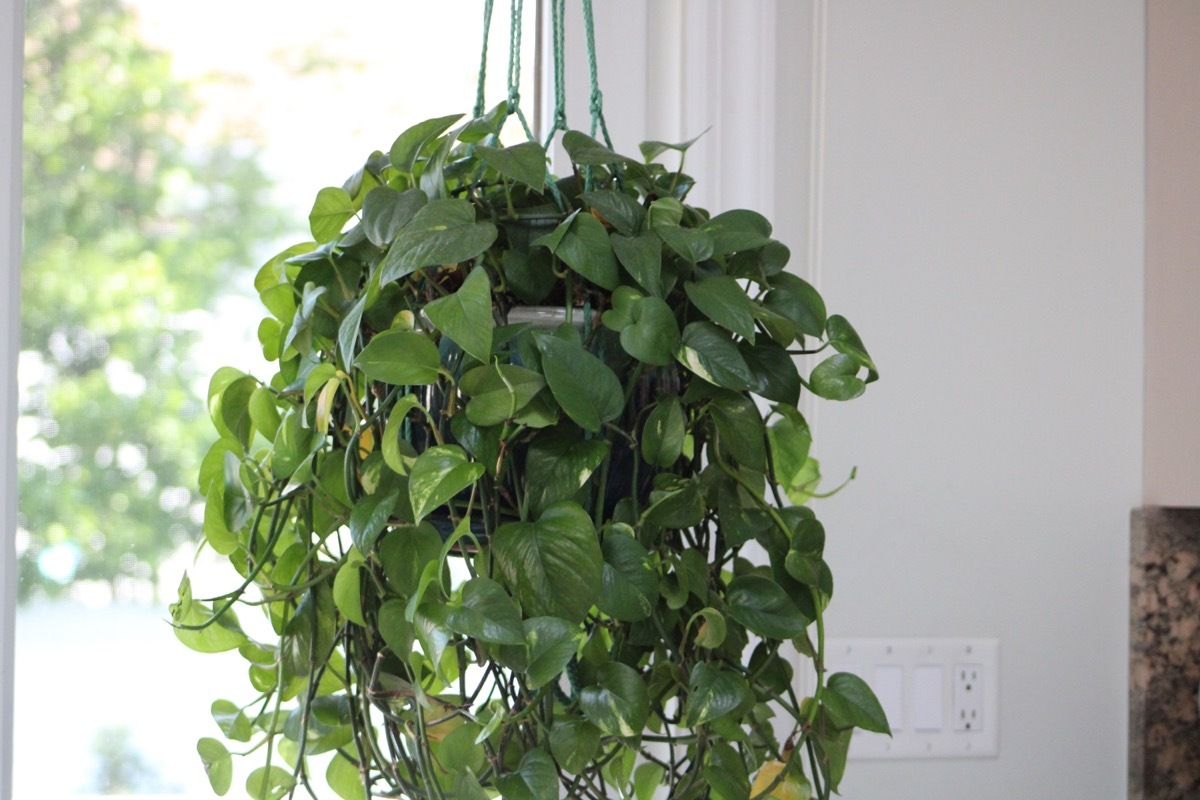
(128, 228)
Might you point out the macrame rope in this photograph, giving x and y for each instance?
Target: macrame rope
(516, 18)
(596, 101)
(487, 26)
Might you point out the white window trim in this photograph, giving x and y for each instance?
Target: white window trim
(12, 28)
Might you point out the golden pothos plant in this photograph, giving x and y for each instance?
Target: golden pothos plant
(496, 499)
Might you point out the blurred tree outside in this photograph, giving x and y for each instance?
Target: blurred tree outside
(131, 230)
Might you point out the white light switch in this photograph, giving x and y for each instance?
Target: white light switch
(889, 688)
(927, 708)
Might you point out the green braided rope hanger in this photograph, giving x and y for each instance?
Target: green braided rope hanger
(558, 37)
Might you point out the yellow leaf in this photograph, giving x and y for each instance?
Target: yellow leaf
(793, 786)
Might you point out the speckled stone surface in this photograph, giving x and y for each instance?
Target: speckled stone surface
(1164, 657)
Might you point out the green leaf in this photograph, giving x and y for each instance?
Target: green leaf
(693, 244)
(557, 466)
(217, 637)
(235, 408)
(396, 630)
(629, 582)
(675, 502)
(534, 779)
(466, 315)
(231, 720)
(833, 746)
(845, 340)
(850, 699)
(347, 592)
(524, 163)
(573, 743)
(552, 643)
(710, 354)
(763, 607)
(343, 777)
(790, 441)
(725, 771)
(409, 144)
(401, 358)
(269, 783)
(498, 392)
(664, 432)
(713, 693)
(647, 326)
(217, 764)
(439, 474)
(264, 414)
(642, 258)
(738, 230)
(583, 385)
(773, 372)
(395, 449)
(712, 630)
(741, 429)
(487, 613)
(646, 778)
(725, 302)
(467, 787)
(619, 209)
(368, 518)
(349, 329)
(552, 565)
(583, 245)
(404, 552)
(618, 704)
(795, 298)
(294, 443)
(836, 378)
(386, 212)
(442, 232)
(586, 151)
(653, 149)
(457, 751)
(330, 211)
(664, 212)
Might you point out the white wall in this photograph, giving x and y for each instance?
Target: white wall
(980, 220)
(983, 229)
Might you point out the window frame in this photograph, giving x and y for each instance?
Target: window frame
(12, 29)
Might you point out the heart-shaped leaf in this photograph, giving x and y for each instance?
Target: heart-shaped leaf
(524, 162)
(552, 565)
(642, 257)
(409, 144)
(586, 151)
(368, 517)
(725, 302)
(498, 392)
(618, 704)
(330, 211)
(664, 432)
(850, 699)
(763, 607)
(773, 372)
(845, 340)
(713, 693)
(217, 763)
(618, 209)
(629, 585)
(794, 298)
(401, 358)
(836, 378)
(535, 778)
(558, 464)
(574, 743)
(647, 325)
(692, 244)
(487, 613)
(583, 244)
(386, 212)
(583, 385)
(466, 315)
(552, 643)
(439, 474)
(709, 353)
(738, 230)
(442, 232)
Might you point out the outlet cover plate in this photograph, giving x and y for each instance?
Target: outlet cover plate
(930, 695)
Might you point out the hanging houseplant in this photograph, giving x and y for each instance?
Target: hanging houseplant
(503, 556)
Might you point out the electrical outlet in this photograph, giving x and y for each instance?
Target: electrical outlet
(968, 697)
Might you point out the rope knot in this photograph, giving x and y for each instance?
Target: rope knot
(597, 104)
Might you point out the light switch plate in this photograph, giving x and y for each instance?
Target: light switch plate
(945, 690)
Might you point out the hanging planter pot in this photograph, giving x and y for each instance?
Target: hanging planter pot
(494, 499)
